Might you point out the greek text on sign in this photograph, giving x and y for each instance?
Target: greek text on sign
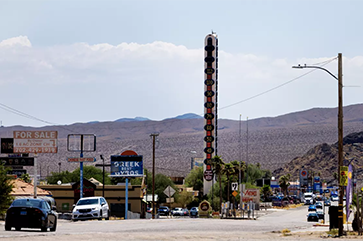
(35, 141)
(126, 166)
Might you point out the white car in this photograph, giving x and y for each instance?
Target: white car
(177, 212)
(91, 208)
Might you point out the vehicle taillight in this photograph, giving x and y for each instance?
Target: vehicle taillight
(37, 211)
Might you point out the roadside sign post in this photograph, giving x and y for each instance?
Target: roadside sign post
(77, 143)
(169, 192)
(127, 165)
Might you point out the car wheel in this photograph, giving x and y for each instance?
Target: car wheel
(108, 215)
(44, 229)
(7, 228)
(52, 229)
(17, 228)
(100, 217)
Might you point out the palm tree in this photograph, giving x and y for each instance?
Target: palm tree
(284, 182)
(228, 170)
(237, 166)
(218, 166)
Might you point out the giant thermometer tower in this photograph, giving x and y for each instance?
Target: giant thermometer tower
(210, 106)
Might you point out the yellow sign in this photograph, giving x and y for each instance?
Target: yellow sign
(343, 176)
(234, 193)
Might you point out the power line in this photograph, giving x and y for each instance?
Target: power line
(277, 87)
(20, 113)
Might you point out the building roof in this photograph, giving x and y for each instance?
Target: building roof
(21, 188)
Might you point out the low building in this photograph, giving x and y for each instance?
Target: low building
(66, 195)
(23, 189)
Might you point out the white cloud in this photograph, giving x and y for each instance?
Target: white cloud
(156, 80)
(21, 41)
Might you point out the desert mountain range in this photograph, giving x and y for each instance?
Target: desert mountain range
(272, 141)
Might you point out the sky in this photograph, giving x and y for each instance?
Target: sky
(63, 62)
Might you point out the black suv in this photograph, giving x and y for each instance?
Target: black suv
(163, 210)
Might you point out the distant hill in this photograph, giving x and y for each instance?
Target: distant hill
(186, 116)
(323, 159)
(272, 141)
(132, 119)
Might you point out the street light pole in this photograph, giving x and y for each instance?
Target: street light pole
(340, 131)
(154, 135)
(103, 176)
(103, 165)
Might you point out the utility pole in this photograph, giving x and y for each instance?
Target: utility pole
(340, 132)
(340, 141)
(240, 161)
(154, 135)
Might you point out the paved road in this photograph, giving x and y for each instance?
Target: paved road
(264, 227)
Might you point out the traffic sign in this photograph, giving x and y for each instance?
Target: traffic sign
(343, 176)
(17, 172)
(304, 173)
(35, 141)
(7, 145)
(234, 186)
(208, 175)
(169, 191)
(81, 159)
(17, 161)
(234, 193)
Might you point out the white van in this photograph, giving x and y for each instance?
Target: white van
(309, 198)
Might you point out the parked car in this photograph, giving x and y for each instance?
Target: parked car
(312, 208)
(30, 213)
(194, 212)
(149, 209)
(335, 198)
(313, 217)
(163, 211)
(319, 205)
(320, 214)
(91, 208)
(186, 212)
(327, 202)
(177, 212)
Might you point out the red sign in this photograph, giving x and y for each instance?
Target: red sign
(303, 173)
(35, 141)
(208, 175)
(81, 159)
(128, 153)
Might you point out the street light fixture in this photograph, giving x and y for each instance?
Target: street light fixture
(340, 131)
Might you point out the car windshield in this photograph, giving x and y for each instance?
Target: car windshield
(87, 201)
(27, 203)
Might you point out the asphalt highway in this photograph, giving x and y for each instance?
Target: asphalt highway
(268, 226)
